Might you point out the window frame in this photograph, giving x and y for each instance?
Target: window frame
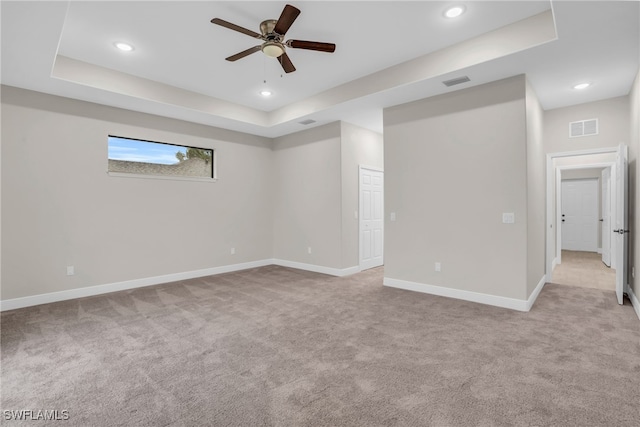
(214, 163)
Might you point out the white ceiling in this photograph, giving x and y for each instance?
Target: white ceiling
(178, 69)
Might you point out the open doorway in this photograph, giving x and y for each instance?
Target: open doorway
(585, 211)
(585, 270)
(584, 266)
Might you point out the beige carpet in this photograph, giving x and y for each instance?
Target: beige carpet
(584, 269)
(280, 347)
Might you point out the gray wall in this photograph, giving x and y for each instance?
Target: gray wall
(60, 207)
(613, 125)
(359, 147)
(453, 164)
(316, 176)
(589, 173)
(307, 203)
(272, 199)
(536, 191)
(51, 219)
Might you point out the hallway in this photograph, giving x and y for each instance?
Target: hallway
(584, 269)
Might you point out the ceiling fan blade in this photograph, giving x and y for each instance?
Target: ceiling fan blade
(244, 53)
(286, 63)
(303, 44)
(288, 15)
(235, 27)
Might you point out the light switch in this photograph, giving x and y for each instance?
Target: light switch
(393, 216)
(508, 218)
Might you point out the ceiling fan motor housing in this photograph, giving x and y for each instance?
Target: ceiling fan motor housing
(273, 46)
(267, 26)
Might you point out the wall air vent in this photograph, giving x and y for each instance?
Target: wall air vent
(307, 122)
(456, 81)
(583, 128)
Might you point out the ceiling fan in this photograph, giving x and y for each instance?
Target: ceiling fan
(272, 34)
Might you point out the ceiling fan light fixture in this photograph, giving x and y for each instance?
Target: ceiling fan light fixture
(265, 92)
(582, 86)
(454, 12)
(273, 49)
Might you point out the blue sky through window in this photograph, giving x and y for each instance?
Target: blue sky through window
(143, 151)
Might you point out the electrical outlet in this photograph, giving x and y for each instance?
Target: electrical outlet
(70, 270)
(633, 272)
(233, 251)
(508, 218)
(438, 266)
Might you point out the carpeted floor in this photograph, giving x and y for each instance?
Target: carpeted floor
(275, 346)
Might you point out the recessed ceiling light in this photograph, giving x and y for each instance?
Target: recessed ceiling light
(125, 47)
(454, 12)
(265, 92)
(582, 86)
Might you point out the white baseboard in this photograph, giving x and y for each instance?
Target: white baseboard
(12, 304)
(599, 250)
(634, 300)
(340, 272)
(534, 295)
(554, 263)
(504, 302)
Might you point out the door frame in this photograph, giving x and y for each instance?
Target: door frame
(559, 198)
(375, 169)
(606, 189)
(552, 235)
(622, 222)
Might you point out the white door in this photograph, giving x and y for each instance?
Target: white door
(371, 218)
(621, 222)
(614, 209)
(605, 221)
(580, 215)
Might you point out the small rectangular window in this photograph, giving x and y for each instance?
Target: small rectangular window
(139, 157)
